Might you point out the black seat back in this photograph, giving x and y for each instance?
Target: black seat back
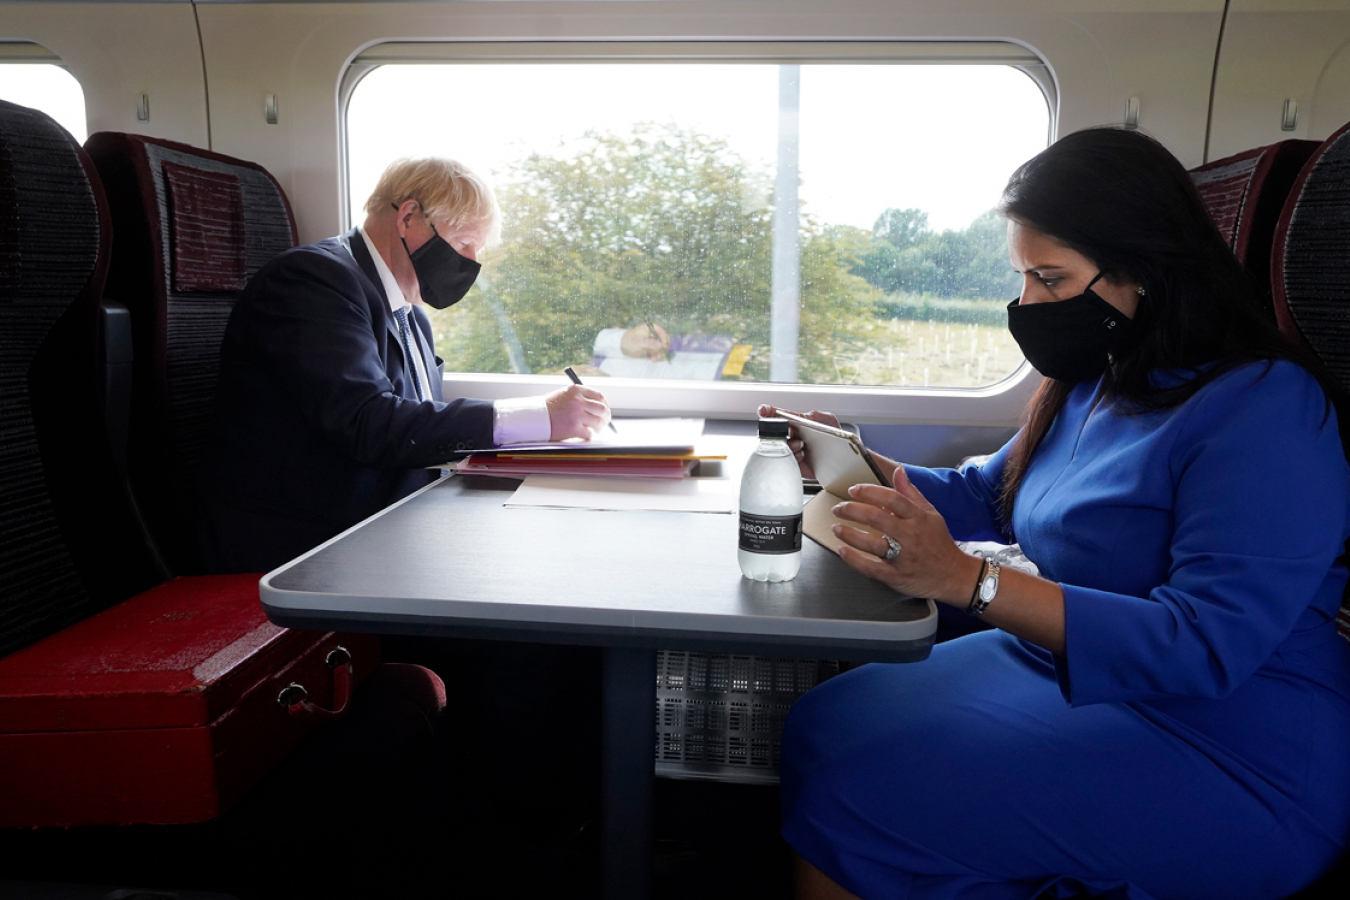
(190, 227)
(1310, 266)
(68, 544)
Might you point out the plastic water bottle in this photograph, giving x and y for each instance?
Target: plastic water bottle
(771, 508)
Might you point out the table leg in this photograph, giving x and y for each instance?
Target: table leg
(626, 802)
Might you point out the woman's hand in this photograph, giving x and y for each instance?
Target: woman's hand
(794, 442)
(929, 563)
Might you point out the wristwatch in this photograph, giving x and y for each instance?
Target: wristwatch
(985, 590)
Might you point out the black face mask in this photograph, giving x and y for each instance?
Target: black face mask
(1069, 340)
(443, 275)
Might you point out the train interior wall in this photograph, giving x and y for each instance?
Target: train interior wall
(1210, 78)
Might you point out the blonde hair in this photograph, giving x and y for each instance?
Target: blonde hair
(447, 191)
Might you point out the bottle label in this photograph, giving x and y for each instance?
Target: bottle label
(771, 534)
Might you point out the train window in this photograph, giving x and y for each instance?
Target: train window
(813, 216)
(31, 75)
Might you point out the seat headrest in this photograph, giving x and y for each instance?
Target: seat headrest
(1233, 188)
(1310, 259)
(1245, 194)
(205, 221)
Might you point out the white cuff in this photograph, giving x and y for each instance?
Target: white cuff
(609, 342)
(520, 420)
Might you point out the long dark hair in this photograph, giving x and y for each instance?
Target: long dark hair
(1122, 200)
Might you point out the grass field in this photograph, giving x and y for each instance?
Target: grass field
(903, 352)
(913, 353)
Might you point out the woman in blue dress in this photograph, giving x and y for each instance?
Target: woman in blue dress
(1165, 711)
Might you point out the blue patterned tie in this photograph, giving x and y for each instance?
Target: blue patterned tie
(410, 350)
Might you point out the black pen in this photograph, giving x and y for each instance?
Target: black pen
(576, 379)
(651, 329)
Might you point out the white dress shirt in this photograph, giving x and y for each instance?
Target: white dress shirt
(516, 420)
(609, 342)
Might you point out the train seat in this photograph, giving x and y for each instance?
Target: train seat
(72, 552)
(59, 493)
(1310, 259)
(1310, 266)
(189, 228)
(1310, 281)
(70, 545)
(1245, 194)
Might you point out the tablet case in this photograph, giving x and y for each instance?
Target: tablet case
(163, 709)
(839, 461)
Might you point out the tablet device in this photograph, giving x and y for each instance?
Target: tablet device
(839, 461)
(837, 457)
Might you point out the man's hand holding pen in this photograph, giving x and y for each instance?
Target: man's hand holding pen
(591, 395)
(576, 411)
(646, 341)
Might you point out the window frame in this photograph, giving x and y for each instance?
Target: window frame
(996, 404)
(30, 53)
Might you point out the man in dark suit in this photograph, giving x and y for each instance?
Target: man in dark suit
(330, 402)
(330, 407)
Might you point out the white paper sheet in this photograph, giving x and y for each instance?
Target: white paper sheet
(686, 364)
(707, 495)
(628, 434)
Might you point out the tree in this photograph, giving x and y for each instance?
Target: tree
(664, 225)
(986, 272)
(902, 228)
(906, 258)
(892, 260)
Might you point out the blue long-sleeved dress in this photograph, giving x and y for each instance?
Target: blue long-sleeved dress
(1194, 739)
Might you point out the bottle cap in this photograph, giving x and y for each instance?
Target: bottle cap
(773, 428)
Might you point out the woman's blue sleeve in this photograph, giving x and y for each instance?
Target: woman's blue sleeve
(1261, 491)
(967, 497)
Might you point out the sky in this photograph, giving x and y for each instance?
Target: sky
(49, 88)
(939, 138)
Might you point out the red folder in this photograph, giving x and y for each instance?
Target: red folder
(165, 708)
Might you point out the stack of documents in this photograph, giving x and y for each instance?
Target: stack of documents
(645, 448)
(536, 464)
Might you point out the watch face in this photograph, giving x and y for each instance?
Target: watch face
(987, 588)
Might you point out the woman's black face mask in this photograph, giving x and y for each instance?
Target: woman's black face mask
(1069, 340)
(443, 275)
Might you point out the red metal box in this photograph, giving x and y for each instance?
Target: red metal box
(163, 709)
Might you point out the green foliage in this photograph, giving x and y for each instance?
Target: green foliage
(664, 225)
(927, 308)
(984, 270)
(837, 306)
(907, 258)
(902, 228)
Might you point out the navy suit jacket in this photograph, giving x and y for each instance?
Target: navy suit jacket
(319, 421)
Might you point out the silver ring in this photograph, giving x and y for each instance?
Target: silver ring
(892, 548)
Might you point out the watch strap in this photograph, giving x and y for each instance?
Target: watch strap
(985, 589)
(979, 580)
